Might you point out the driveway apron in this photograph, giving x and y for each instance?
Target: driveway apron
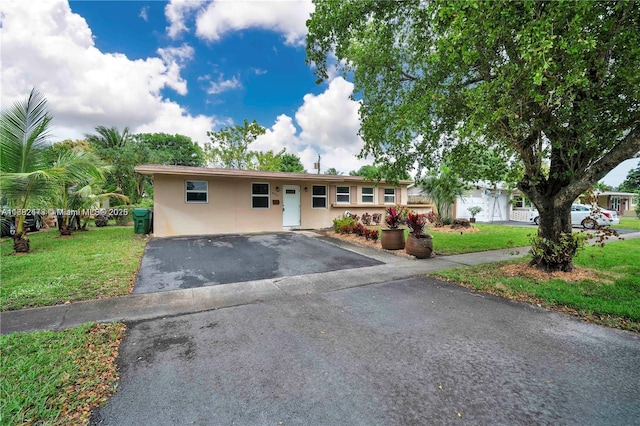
(181, 263)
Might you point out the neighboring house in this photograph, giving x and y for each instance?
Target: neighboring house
(624, 203)
(497, 203)
(202, 201)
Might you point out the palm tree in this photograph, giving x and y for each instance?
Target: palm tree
(77, 168)
(443, 187)
(109, 138)
(24, 175)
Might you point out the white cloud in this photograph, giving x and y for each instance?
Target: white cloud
(144, 13)
(221, 85)
(283, 16)
(329, 126)
(46, 45)
(177, 12)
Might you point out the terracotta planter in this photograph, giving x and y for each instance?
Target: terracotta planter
(421, 247)
(392, 239)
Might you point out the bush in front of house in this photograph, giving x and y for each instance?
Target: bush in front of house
(343, 225)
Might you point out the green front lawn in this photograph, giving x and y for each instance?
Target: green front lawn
(628, 223)
(609, 292)
(98, 263)
(489, 237)
(57, 377)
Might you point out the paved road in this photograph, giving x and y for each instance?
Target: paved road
(190, 262)
(412, 351)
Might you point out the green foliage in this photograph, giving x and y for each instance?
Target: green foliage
(474, 210)
(555, 84)
(375, 173)
(280, 162)
(632, 182)
(443, 187)
(229, 147)
(342, 224)
(291, 163)
(332, 171)
(549, 252)
(26, 178)
(177, 150)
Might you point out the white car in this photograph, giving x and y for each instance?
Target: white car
(585, 216)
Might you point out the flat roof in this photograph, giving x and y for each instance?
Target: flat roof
(160, 169)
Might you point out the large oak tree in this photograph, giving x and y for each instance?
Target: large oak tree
(555, 84)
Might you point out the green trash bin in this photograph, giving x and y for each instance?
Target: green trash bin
(142, 221)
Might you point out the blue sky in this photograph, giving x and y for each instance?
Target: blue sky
(183, 66)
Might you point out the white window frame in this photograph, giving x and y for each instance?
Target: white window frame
(313, 196)
(267, 195)
(348, 194)
(390, 195)
(372, 195)
(193, 191)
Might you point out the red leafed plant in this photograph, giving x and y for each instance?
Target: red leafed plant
(416, 222)
(393, 218)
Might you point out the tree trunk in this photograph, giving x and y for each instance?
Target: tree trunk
(21, 243)
(554, 251)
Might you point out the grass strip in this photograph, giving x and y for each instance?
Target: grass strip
(604, 290)
(98, 263)
(57, 377)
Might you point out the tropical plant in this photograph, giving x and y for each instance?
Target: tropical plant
(393, 219)
(474, 210)
(416, 223)
(26, 181)
(76, 167)
(443, 187)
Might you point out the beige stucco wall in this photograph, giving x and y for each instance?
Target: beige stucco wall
(229, 210)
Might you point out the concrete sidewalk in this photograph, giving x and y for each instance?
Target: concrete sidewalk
(178, 302)
(136, 307)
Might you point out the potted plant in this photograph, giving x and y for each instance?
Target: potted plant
(474, 210)
(392, 236)
(418, 243)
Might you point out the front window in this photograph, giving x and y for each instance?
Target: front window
(367, 195)
(196, 191)
(260, 195)
(390, 195)
(319, 197)
(343, 194)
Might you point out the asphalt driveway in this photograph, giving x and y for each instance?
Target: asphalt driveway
(181, 263)
(413, 351)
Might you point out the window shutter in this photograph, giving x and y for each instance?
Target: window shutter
(380, 196)
(398, 201)
(353, 198)
(332, 194)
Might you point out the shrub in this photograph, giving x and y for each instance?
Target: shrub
(366, 219)
(355, 217)
(434, 218)
(549, 253)
(461, 223)
(377, 218)
(359, 229)
(340, 224)
(447, 221)
(371, 234)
